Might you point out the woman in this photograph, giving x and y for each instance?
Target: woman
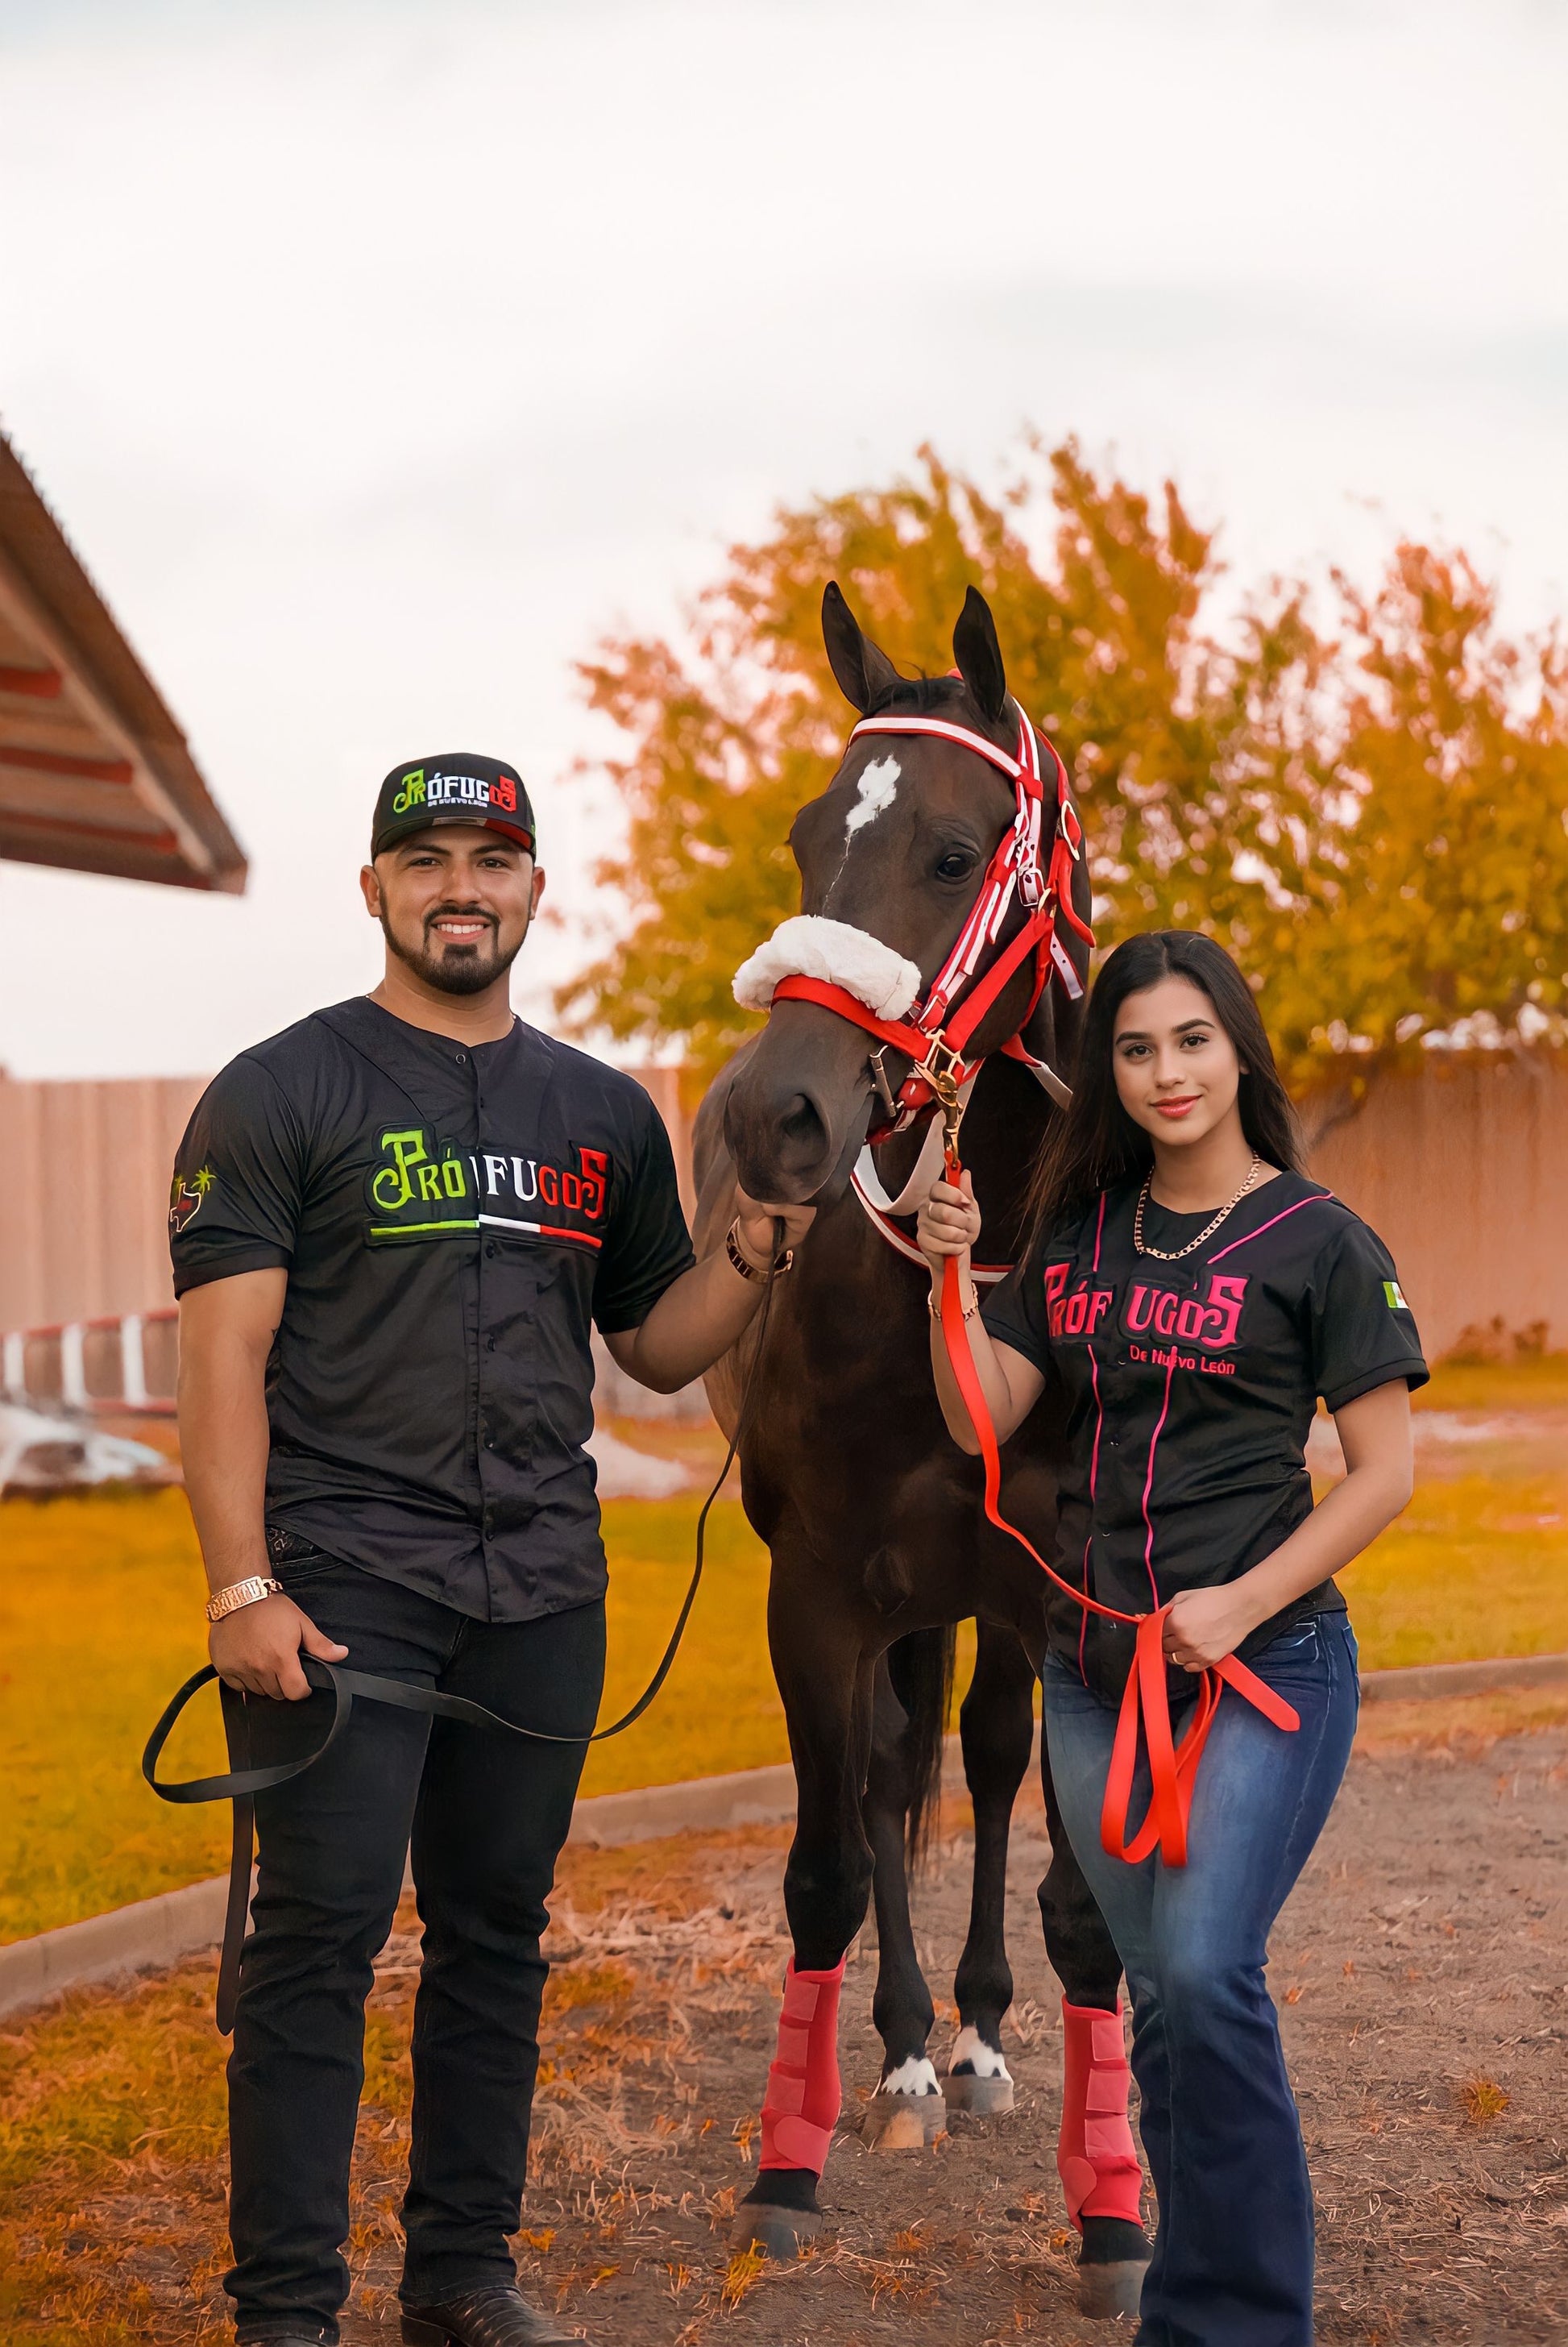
(1192, 1293)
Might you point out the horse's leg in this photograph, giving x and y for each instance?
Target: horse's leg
(1096, 2156)
(996, 1727)
(906, 2110)
(826, 1686)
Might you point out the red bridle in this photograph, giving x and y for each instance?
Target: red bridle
(935, 1033)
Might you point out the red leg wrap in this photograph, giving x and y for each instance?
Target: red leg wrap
(1095, 2156)
(803, 2097)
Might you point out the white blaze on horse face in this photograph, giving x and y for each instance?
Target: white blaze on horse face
(972, 2053)
(917, 2076)
(876, 792)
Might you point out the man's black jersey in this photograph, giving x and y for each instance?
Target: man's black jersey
(1190, 1389)
(451, 1218)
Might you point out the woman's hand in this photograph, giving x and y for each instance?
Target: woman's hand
(1205, 1625)
(948, 1223)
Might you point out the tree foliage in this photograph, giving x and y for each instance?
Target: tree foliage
(1439, 895)
(1372, 822)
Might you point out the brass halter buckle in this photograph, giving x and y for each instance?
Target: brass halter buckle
(939, 1071)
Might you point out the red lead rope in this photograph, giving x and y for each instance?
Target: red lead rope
(1173, 1765)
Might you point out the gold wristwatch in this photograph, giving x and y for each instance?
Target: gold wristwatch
(781, 1262)
(239, 1593)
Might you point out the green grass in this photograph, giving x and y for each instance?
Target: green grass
(1470, 1569)
(100, 1619)
(100, 1599)
(100, 1605)
(1540, 1383)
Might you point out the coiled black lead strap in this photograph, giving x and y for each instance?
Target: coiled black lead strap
(242, 1786)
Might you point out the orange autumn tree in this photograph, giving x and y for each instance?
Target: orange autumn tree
(1439, 902)
(1253, 780)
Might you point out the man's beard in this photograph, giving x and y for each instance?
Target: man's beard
(466, 969)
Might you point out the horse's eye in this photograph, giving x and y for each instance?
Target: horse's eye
(956, 867)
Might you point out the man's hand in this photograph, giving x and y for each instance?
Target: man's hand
(258, 1649)
(709, 1307)
(757, 1236)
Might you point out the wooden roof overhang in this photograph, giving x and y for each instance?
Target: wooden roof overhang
(95, 775)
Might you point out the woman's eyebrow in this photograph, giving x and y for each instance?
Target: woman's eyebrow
(1142, 1035)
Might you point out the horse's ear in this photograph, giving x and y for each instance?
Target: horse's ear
(863, 673)
(979, 654)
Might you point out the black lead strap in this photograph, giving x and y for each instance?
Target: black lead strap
(242, 1786)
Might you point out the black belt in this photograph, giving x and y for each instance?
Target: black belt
(242, 1786)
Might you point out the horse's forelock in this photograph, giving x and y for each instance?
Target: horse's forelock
(921, 695)
(944, 696)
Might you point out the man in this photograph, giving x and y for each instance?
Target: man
(392, 1226)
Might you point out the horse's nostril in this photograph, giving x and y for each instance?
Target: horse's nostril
(782, 1146)
(803, 1132)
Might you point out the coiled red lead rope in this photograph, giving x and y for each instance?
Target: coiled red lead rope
(1173, 1764)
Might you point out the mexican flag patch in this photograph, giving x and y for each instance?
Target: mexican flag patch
(1395, 1295)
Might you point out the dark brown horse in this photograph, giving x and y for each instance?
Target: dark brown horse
(872, 1517)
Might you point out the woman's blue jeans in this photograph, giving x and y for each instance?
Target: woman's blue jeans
(1234, 2255)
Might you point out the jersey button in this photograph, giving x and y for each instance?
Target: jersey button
(461, 1058)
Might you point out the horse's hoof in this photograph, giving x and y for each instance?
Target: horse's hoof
(777, 2232)
(964, 2091)
(903, 2121)
(1106, 2292)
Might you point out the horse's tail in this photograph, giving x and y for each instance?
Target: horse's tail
(921, 1668)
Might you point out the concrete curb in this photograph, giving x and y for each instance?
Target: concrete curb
(148, 1936)
(1464, 1678)
(155, 1933)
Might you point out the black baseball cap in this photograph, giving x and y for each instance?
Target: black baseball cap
(458, 788)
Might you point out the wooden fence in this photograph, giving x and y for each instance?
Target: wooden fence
(1459, 1165)
(87, 1304)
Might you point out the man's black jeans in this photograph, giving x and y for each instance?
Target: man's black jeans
(486, 1815)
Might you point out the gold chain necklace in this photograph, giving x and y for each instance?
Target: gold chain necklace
(1162, 1254)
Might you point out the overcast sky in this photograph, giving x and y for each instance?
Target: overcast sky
(379, 358)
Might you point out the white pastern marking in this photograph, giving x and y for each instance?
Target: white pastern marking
(917, 2076)
(984, 2061)
(877, 788)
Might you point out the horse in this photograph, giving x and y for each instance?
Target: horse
(917, 859)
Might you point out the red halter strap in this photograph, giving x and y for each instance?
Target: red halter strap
(935, 1035)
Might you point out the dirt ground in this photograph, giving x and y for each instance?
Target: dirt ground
(1422, 1969)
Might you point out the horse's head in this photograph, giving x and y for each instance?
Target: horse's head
(894, 854)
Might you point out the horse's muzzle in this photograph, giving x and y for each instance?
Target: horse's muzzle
(795, 1116)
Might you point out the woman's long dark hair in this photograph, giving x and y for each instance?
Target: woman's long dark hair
(1096, 1146)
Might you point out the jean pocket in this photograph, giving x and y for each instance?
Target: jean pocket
(1291, 1645)
(294, 1560)
(1296, 1661)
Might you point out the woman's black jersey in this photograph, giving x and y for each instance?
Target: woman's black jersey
(1190, 1389)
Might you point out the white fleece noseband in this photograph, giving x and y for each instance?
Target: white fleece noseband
(806, 946)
